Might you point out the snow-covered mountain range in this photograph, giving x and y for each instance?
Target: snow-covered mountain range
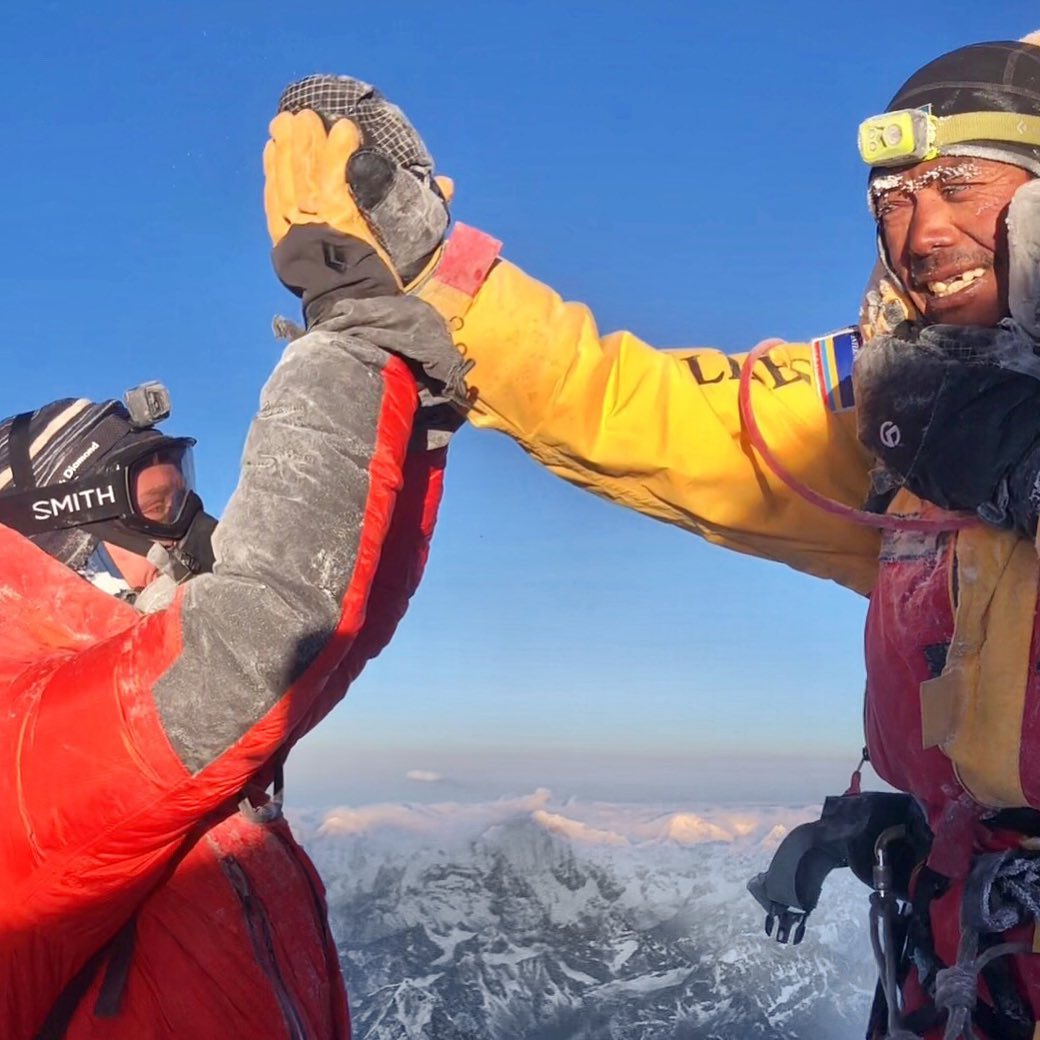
(521, 919)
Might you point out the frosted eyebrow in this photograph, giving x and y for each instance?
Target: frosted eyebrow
(907, 185)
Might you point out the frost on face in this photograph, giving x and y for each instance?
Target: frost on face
(909, 184)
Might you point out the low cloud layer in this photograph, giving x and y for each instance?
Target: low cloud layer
(586, 823)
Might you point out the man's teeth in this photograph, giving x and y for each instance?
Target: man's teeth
(956, 284)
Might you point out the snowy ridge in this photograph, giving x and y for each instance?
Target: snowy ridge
(524, 919)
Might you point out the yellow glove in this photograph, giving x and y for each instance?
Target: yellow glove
(352, 181)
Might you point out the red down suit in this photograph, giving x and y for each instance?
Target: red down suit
(127, 740)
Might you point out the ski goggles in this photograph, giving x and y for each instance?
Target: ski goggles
(149, 486)
(913, 135)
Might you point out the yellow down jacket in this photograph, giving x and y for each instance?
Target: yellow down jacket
(953, 699)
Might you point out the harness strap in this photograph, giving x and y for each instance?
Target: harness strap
(1022, 820)
(271, 810)
(1007, 1001)
(113, 985)
(57, 1022)
(117, 952)
(1000, 893)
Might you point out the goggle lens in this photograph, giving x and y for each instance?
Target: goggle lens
(160, 483)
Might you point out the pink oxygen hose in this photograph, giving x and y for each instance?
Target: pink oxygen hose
(949, 522)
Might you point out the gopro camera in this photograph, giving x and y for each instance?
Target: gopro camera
(147, 404)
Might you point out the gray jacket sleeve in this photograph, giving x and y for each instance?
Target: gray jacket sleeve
(298, 544)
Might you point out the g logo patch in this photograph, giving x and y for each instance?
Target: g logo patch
(890, 434)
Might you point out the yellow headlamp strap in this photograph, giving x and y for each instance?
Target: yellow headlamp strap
(915, 135)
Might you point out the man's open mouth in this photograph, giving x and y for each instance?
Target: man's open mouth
(949, 286)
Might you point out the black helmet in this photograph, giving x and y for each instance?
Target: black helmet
(75, 472)
(1002, 76)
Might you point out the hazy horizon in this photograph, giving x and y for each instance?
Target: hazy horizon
(323, 774)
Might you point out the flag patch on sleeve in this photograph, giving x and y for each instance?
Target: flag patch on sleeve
(832, 357)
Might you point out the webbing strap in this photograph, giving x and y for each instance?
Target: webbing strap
(113, 985)
(987, 126)
(117, 951)
(271, 810)
(1007, 1017)
(57, 1022)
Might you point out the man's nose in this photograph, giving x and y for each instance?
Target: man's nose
(931, 226)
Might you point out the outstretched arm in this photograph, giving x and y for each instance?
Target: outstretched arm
(656, 432)
(660, 432)
(127, 744)
(401, 566)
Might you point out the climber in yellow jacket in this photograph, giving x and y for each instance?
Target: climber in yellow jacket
(942, 449)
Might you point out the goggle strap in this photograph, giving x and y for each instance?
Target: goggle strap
(1009, 127)
(19, 439)
(57, 507)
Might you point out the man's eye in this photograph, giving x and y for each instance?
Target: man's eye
(955, 188)
(887, 205)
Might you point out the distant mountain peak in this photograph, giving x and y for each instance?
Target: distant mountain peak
(546, 927)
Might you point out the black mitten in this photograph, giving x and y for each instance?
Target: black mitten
(946, 411)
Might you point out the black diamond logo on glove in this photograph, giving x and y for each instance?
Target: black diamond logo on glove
(335, 256)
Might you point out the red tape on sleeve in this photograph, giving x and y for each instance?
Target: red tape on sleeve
(468, 257)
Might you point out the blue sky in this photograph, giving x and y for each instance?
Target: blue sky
(689, 170)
